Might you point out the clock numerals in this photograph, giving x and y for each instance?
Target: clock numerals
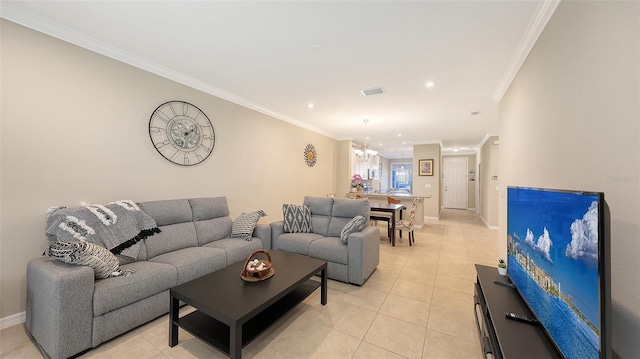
(181, 133)
(160, 145)
(157, 130)
(162, 117)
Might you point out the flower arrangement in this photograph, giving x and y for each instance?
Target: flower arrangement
(356, 181)
(502, 263)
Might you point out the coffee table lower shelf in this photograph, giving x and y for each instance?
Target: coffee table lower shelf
(217, 334)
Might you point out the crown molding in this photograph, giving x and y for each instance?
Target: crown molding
(532, 33)
(25, 18)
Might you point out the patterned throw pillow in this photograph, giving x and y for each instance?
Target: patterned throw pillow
(104, 263)
(244, 225)
(354, 225)
(297, 219)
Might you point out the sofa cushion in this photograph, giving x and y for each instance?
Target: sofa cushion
(237, 251)
(194, 262)
(142, 255)
(208, 208)
(168, 211)
(329, 249)
(213, 229)
(296, 242)
(297, 219)
(321, 208)
(319, 205)
(244, 225)
(355, 225)
(343, 211)
(148, 279)
(172, 237)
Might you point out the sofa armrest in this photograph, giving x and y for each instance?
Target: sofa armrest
(60, 306)
(277, 229)
(263, 231)
(363, 249)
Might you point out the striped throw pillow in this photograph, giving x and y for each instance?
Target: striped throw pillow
(244, 225)
(354, 225)
(104, 263)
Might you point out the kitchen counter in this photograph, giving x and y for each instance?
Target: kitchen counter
(405, 198)
(394, 195)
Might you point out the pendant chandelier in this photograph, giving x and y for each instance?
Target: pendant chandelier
(366, 154)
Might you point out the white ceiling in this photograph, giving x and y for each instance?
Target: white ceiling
(265, 55)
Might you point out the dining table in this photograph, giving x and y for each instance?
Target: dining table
(396, 211)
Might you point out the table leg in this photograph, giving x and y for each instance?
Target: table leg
(400, 210)
(323, 286)
(174, 309)
(235, 341)
(393, 228)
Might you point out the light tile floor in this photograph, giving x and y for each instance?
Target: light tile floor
(417, 304)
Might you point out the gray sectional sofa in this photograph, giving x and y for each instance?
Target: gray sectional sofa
(69, 311)
(352, 262)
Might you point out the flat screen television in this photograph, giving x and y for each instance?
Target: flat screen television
(558, 259)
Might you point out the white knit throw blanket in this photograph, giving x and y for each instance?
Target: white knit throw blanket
(118, 226)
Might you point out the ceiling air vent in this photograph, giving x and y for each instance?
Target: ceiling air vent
(373, 91)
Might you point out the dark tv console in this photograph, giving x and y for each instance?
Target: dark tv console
(501, 337)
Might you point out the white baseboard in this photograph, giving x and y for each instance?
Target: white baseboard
(487, 224)
(12, 320)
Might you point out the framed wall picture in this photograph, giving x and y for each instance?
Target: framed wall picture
(426, 167)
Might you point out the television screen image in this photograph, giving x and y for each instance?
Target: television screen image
(554, 246)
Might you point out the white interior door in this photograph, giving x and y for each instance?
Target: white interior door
(455, 182)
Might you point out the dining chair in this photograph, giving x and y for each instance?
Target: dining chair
(407, 225)
(391, 200)
(384, 216)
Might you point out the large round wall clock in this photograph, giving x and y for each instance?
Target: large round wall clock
(181, 133)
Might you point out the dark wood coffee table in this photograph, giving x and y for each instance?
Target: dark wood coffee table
(230, 312)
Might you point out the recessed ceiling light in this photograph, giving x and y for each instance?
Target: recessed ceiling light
(399, 135)
(430, 84)
(310, 105)
(456, 149)
(317, 48)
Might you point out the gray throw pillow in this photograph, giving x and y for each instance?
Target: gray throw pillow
(354, 225)
(297, 219)
(244, 225)
(104, 263)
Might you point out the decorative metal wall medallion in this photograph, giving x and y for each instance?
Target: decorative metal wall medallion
(310, 155)
(181, 133)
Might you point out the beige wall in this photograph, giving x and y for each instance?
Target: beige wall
(489, 159)
(75, 128)
(385, 180)
(570, 120)
(424, 152)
